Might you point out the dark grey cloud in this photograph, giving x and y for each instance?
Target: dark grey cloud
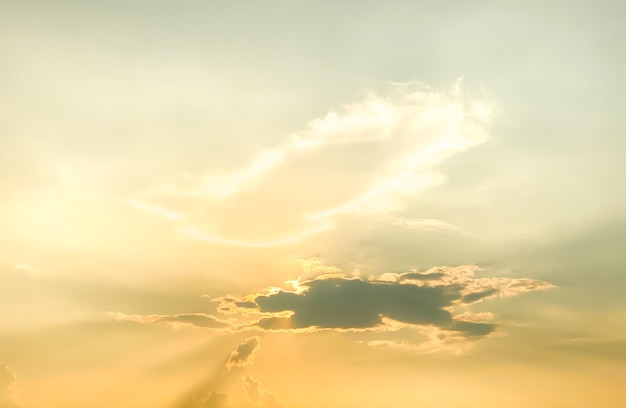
(243, 354)
(246, 304)
(435, 301)
(421, 276)
(341, 303)
(473, 329)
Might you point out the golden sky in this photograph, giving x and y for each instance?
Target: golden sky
(307, 204)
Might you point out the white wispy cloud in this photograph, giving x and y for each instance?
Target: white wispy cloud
(365, 158)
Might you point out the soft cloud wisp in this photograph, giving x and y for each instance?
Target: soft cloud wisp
(364, 158)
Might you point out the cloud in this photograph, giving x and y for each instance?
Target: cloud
(436, 341)
(427, 301)
(417, 276)
(243, 354)
(364, 158)
(427, 224)
(192, 319)
(216, 400)
(213, 391)
(476, 296)
(8, 387)
(253, 389)
(257, 395)
(340, 303)
(194, 232)
(157, 210)
(27, 268)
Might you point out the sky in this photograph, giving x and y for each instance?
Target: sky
(306, 203)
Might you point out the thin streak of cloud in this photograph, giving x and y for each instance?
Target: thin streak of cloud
(157, 210)
(194, 232)
(383, 199)
(422, 224)
(437, 341)
(186, 319)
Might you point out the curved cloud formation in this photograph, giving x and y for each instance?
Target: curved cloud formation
(363, 158)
